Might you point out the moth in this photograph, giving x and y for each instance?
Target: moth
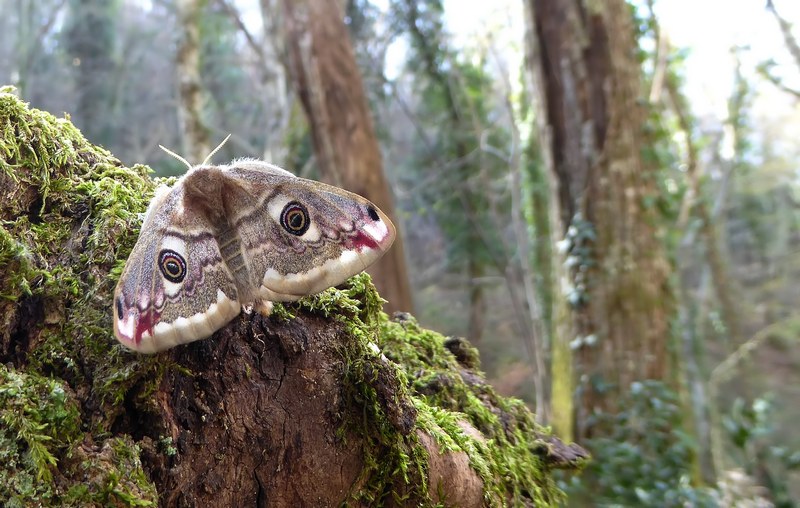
(248, 233)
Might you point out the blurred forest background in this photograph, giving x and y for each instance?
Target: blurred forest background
(609, 215)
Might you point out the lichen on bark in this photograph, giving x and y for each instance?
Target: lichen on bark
(326, 402)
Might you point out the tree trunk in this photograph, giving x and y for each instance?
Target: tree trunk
(278, 101)
(724, 285)
(89, 40)
(477, 302)
(620, 302)
(562, 373)
(329, 85)
(196, 145)
(326, 402)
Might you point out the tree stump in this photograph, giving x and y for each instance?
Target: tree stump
(327, 402)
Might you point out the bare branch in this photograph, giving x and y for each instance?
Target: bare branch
(190, 89)
(50, 21)
(778, 82)
(400, 101)
(660, 71)
(251, 40)
(786, 30)
(660, 58)
(537, 331)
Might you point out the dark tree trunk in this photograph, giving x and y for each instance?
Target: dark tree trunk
(585, 62)
(328, 82)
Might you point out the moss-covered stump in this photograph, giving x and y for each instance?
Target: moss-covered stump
(326, 402)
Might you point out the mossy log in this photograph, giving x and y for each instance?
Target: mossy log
(327, 402)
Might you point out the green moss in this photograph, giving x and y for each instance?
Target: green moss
(281, 313)
(39, 421)
(509, 460)
(61, 185)
(115, 474)
(44, 459)
(395, 462)
(16, 258)
(167, 446)
(62, 188)
(433, 382)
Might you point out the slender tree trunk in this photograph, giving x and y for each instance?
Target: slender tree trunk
(562, 407)
(196, 145)
(620, 302)
(278, 102)
(724, 285)
(22, 47)
(273, 83)
(329, 85)
(477, 302)
(460, 121)
(89, 39)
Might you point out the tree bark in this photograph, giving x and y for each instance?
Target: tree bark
(328, 82)
(562, 373)
(196, 145)
(276, 84)
(620, 302)
(325, 402)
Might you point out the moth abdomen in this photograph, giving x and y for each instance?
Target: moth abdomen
(230, 247)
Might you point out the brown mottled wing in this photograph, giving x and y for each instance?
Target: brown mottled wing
(175, 287)
(343, 235)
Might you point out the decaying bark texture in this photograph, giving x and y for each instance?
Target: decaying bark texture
(326, 78)
(585, 61)
(326, 402)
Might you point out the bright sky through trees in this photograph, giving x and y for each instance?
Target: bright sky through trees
(710, 28)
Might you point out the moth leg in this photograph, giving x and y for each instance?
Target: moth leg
(263, 307)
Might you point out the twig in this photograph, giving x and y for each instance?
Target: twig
(786, 30)
(775, 80)
(251, 40)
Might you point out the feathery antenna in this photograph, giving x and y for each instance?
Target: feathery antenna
(216, 149)
(170, 152)
(186, 163)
